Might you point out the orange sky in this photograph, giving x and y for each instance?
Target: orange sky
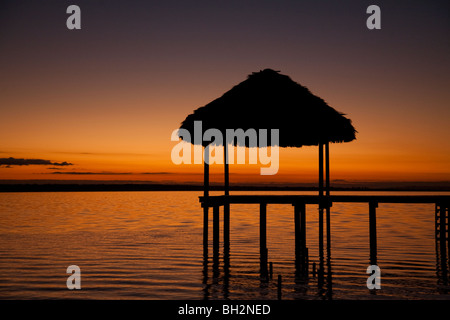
(107, 98)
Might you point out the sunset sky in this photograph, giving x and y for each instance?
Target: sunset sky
(101, 103)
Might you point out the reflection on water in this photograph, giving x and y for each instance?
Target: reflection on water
(148, 245)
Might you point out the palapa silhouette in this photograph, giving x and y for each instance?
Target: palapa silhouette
(270, 100)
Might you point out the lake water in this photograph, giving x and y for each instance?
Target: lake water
(148, 245)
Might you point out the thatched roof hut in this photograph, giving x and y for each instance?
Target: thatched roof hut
(270, 100)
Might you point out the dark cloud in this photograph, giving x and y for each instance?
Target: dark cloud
(26, 162)
(91, 173)
(107, 173)
(105, 153)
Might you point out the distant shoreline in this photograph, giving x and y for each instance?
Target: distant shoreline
(172, 187)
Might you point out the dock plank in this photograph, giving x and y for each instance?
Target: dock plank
(311, 199)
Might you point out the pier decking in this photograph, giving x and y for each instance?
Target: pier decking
(212, 201)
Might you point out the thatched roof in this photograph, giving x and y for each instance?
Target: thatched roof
(270, 100)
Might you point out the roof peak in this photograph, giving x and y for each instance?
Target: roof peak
(267, 70)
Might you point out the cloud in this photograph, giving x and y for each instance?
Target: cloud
(91, 173)
(106, 173)
(26, 162)
(104, 153)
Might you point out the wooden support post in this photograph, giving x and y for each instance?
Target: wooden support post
(263, 228)
(206, 172)
(263, 238)
(328, 224)
(321, 233)
(216, 231)
(303, 223)
(205, 232)
(226, 227)
(226, 206)
(298, 235)
(447, 214)
(442, 222)
(327, 169)
(279, 284)
(303, 235)
(327, 193)
(320, 171)
(436, 221)
(373, 231)
(441, 241)
(205, 207)
(443, 230)
(436, 235)
(441, 235)
(226, 170)
(321, 200)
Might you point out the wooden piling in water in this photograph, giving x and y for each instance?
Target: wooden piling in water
(373, 231)
(205, 208)
(320, 232)
(321, 200)
(447, 213)
(305, 254)
(442, 229)
(303, 223)
(205, 232)
(206, 172)
(226, 206)
(226, 170)
(442, 241)
(263, 228)
(263, 237)
(327, 194)
(279, 284)
(437, 214)
(216, 231)
(226, 227)
(320, 170)
(298, 234)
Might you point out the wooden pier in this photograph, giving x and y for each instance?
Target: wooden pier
(325, 202)
(299, 203)
(321, 125)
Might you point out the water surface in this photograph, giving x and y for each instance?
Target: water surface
(148, 245)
